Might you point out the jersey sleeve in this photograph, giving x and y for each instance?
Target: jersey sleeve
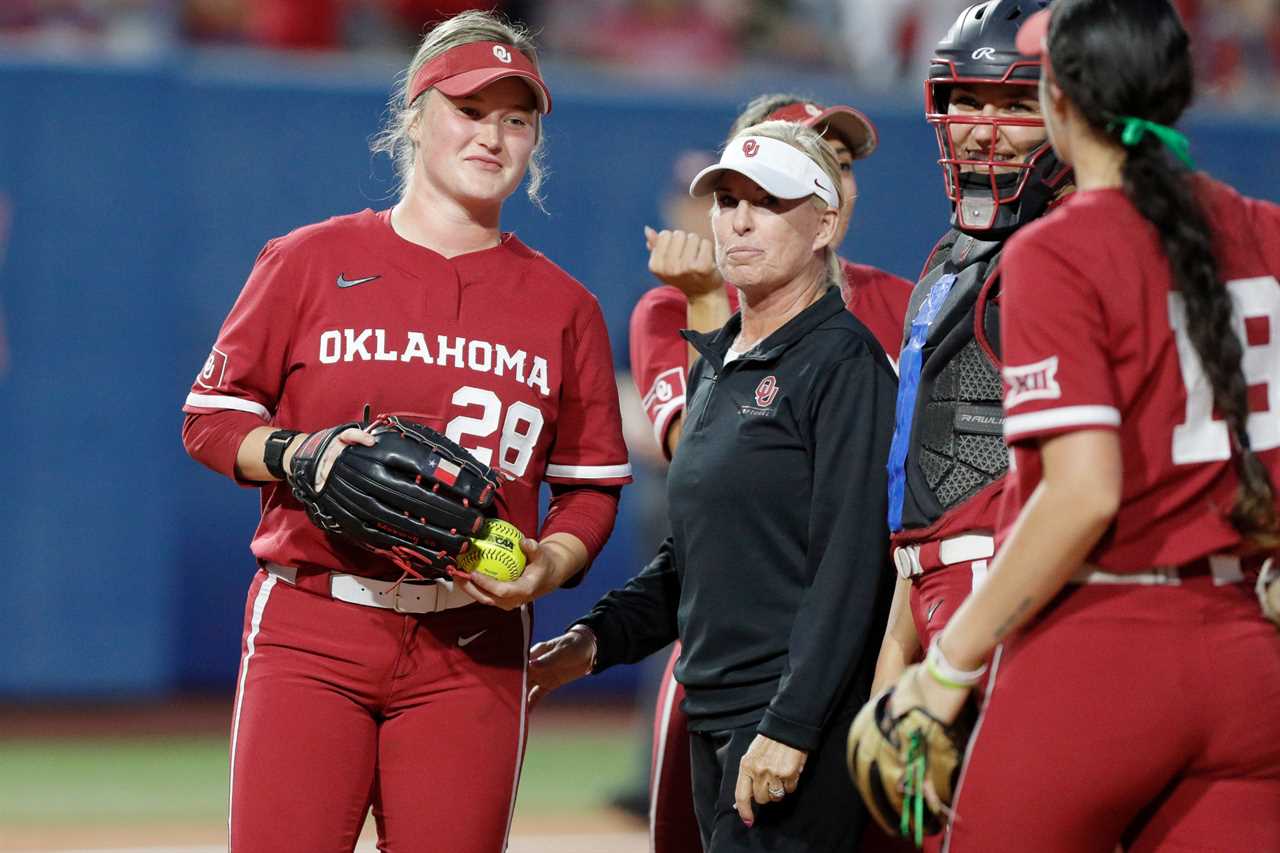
(879, 300)
(589, 448)
(659, 357)
(1057, 376)
(1264, 217)
(246, 368)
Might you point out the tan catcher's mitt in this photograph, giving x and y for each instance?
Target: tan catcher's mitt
(906, 767)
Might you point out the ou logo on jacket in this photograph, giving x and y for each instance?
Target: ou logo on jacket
(766, 391)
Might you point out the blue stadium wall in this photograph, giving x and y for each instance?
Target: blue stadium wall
(137, 199)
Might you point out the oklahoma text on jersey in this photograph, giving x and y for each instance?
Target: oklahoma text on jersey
(481, 356)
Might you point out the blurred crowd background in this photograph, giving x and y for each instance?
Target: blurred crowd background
(148, 149)
(877, 44)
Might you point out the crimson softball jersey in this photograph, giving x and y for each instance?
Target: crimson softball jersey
(1095, 338)
(499, 349)
(660, 357)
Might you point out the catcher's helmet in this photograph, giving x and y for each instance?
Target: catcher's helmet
(990, 198)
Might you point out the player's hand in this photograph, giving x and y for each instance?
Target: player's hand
(555, 662)
(767, 768)
(544, 571)
(345, 438)
(684, 261)
(915, 688)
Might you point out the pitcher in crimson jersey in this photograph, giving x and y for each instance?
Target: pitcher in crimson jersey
(359, 688)
(1138, 703)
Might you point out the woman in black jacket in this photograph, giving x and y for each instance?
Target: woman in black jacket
(774, 577)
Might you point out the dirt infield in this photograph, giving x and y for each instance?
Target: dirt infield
(588, 832)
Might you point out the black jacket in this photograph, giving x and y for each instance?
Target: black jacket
(775, 577)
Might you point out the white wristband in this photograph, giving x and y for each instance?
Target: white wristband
(937, 665)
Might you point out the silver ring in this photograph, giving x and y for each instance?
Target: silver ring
(777, 793)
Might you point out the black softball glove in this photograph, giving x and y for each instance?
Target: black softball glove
(414, 497)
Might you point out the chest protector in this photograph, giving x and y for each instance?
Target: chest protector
(957, 445)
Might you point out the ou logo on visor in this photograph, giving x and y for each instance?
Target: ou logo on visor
(502, 53)
(987, 53)
(750, 147)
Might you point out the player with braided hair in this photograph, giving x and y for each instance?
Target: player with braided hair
(1133, 678)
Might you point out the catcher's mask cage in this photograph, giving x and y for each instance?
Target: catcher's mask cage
(990, 197)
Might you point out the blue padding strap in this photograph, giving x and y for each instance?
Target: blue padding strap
(909, 363)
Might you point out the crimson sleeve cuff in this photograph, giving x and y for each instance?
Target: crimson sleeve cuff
(587, 512)
(214, 439)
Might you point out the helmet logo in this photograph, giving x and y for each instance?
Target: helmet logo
(750, 147)
(987, 53)
(502, 53)
(812, 109)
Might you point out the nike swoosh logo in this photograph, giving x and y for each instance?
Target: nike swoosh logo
(466, 641)
(928, 617)
(343, 281)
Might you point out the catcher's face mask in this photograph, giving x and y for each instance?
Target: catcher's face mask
(991, 136)
(995, 175)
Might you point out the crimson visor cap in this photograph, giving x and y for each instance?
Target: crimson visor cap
(849, 124)
(1032, 34)
(468, 68)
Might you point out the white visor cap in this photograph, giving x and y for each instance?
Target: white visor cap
(778, 168)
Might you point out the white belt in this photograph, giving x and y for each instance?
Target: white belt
(964, 548)
(403, 597)
(1158, 576)
(1225, 568)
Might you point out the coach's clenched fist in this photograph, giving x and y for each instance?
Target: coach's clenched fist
(683, 260)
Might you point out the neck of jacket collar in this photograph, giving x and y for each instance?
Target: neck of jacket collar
(713, 346)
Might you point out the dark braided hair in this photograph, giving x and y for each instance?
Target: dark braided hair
(1117, 58)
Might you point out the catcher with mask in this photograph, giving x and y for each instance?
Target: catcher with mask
(948, 459)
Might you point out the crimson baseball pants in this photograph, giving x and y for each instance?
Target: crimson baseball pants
(1148, 715)
(673, 826)
(341, 708)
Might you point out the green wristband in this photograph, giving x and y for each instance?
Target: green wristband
(942, 679)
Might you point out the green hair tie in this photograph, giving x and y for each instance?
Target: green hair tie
(1135, 128)
(913, 790)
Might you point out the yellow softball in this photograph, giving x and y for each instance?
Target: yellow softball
(495, 552)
